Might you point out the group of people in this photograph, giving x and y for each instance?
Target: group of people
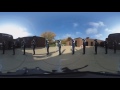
(96, 45)
(33, 45)
(58, 45)
(22, 45)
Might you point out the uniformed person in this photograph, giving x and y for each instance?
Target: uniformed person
(47, 46)
(84, 45)
(114, 46)
(59, 46)
(23, 46)
(13, 47)
(33, 46)
(3, 47)
(106, 47)
(96, 45)
(73, 46)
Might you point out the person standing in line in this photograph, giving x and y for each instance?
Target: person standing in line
(106, 47)
(33, 46)
(23, 46)
(3, 47)
(84, 46)
(13, 47)
(114, 45)
(73, 46)
(96, 45)
(59, 45)
(47, 46)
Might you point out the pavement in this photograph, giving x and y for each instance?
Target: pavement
(101, 62)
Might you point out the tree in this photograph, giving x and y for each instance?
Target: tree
(64, 41)
(48, 35)
(69, 39)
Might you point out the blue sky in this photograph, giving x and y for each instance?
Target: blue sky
(74, 24)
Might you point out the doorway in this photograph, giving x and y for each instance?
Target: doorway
(75, 43)
(91, 43)
(86, 43)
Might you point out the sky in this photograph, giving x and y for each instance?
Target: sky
(96, 25)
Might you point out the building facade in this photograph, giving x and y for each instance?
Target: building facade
(40, 41)
(8, 40)
(111, 38)
(79, 42)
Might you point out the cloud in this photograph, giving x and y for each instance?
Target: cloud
(115, 30)
(14, 30)
(75, 24)
(78, 33)
(69, 35)
(97, 24)
(98, 36)
(91, 31)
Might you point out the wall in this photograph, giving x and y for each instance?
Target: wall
(111, 38)
(89, 42)
(8, 40)
(40, 41)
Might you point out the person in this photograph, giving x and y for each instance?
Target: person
(84, 45)
(114, 46)
(3, 47)
(13, 47)
(23, 46)
(96, 44)
(33, 43)
(59, 45)
(47, 46)
(106, 47)
(73, 46)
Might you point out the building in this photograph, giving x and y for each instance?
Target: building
(40, 41)
(8, 40)
(79, 42)
(91, 42)
(111, 38)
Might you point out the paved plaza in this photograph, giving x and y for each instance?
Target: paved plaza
(101, 62)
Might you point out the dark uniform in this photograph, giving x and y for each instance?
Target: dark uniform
(13, 47)
(23, 46)
(84, 44)
(33, 46)
(47, 46)
(3, 47)
(96, 45)
(73, 46)
(114, 46)
(106, 47)
(59, 45)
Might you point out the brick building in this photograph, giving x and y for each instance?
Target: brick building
(79, 42)
(111, 38)
(40, 41)
(8, 40)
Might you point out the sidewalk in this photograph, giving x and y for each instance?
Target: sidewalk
(100, 62)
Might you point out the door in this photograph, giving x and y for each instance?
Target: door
(75, 43)
(86, 43)
(91, 43)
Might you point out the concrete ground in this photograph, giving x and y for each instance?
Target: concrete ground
(101, 62)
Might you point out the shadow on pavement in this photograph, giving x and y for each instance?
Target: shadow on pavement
(98, 62)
